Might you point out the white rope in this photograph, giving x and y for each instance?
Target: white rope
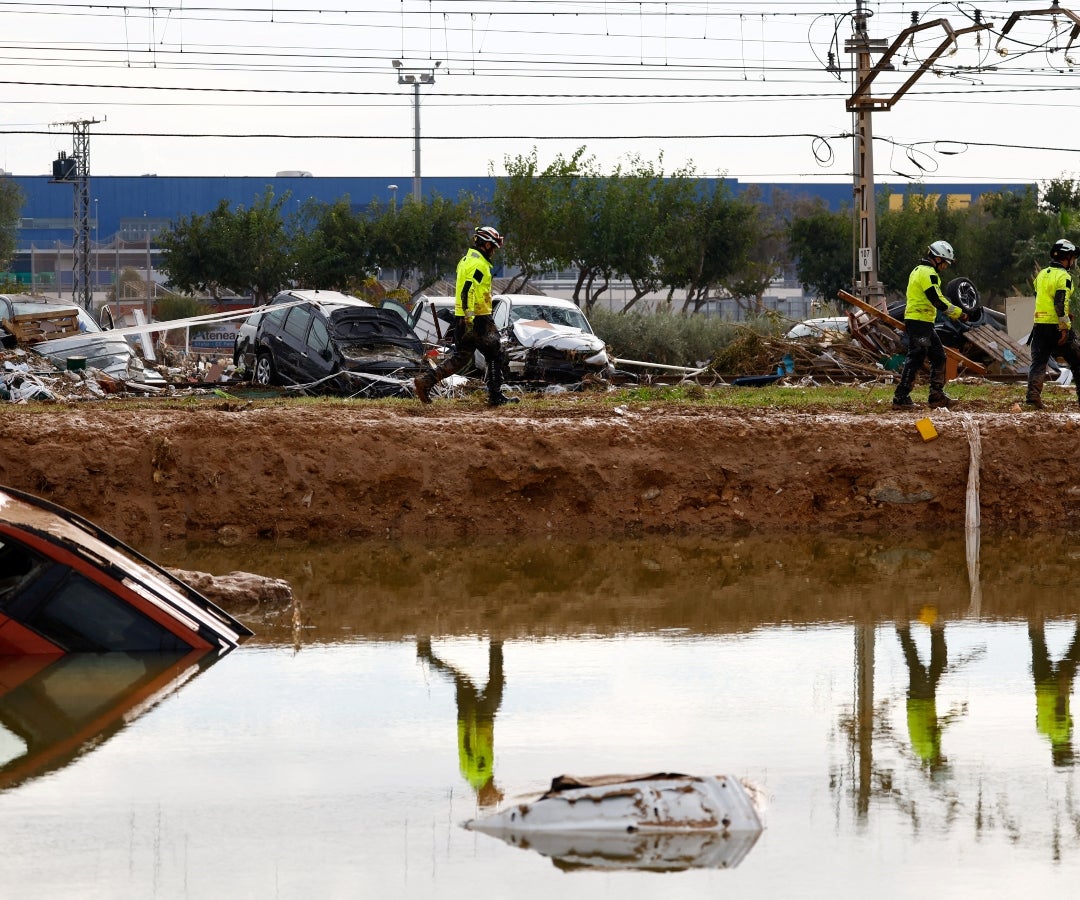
(972, 515)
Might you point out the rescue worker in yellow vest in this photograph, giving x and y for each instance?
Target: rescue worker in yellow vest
(925, 727)
(1052, 333)
(476, 711)
(474, 329)
(1053, 690)
(924, 300)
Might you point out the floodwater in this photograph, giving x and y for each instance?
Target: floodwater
(907, 724)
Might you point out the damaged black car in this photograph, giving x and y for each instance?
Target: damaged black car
(328, 343)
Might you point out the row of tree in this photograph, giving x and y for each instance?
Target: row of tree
(674, 235)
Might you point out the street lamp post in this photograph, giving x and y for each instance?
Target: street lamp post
(392, 188)
(415, 78)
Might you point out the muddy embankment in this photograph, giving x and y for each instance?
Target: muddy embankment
(237, 474)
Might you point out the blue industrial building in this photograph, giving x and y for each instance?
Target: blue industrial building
(131, 207)
(125, 212)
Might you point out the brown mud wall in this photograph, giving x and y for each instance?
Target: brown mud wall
(401, 471)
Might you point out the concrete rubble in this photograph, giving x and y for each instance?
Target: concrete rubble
(26, 376)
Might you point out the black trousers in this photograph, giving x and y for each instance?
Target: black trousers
(1044, 344)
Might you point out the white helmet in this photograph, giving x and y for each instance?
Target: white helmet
(942, 249)
(1062, 248)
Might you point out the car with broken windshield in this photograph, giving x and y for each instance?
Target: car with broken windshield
(546, 340)
(324, 342)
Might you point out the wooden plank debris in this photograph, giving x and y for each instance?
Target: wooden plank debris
(30, 328)
(1007, 357)
(954, 358)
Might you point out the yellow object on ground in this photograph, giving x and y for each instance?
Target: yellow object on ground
(926, 429)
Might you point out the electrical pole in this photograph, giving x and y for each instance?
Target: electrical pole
(76, 169)
(864, 206)
(862, 103)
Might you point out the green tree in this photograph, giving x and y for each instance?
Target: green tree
(638, 206)
(528, 211)
(334, 254)
(11, 201)
(904, 235)
(820, 242)
(709, 245)
(423, 240)
(242, 250)
(1002, 241)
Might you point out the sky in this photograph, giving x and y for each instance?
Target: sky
(256, 87)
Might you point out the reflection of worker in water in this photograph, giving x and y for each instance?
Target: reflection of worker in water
(924, 726)
(1053, 688)
(476, 719)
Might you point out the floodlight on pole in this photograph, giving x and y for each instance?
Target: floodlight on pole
(416, 77)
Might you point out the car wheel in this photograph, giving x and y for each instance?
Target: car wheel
(264, 369)
(964, 294)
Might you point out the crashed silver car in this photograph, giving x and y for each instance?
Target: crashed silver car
(546, 339)
(98, 349)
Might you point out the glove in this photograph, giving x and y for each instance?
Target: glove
(964, 317)
(955, 312)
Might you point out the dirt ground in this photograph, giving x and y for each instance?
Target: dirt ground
(236, 473)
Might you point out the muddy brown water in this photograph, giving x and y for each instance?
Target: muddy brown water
(910, 732)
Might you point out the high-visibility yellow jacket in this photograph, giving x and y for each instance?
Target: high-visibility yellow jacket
(1053, 293)
(924, 297)
(473, 291)
(1052, 717)
(476, 749)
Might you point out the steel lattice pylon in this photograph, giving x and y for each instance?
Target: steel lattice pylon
(79, 176)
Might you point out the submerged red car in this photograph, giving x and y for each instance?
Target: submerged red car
(68, 586)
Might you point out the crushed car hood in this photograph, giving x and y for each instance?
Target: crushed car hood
(539, 335)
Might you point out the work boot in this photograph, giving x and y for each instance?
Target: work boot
(423, 385)
(500, 399)
(1034, 398)
(939, 400)
(903, 401)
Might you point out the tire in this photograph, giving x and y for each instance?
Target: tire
(964, 294)
(265, 374)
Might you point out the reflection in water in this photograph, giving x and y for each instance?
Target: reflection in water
(653, 852)
(55, 709)
(704, 590)
(394, 591)
(330, 773)
(1053, 689)
(924, 726)
(476, 711)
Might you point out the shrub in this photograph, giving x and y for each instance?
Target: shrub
(671, 338)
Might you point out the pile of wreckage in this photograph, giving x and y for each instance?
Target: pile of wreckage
(53, 353)
(872, 346)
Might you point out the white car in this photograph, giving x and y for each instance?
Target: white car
(830, 326)
(546, 339)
